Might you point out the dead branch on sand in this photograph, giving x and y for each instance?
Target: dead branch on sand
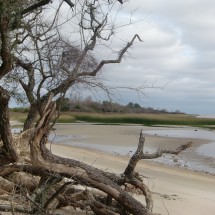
(51, 182)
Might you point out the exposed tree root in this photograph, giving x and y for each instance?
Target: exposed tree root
(87, 188)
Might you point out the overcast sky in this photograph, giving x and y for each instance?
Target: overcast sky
(178, 55)
(176, 61)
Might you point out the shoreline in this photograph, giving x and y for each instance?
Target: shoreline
(172, 188)
(55, 148)
(175, 190)
(123, 140)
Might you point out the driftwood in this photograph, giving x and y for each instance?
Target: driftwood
(80, 172)
(68, 182)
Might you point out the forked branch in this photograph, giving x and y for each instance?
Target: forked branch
(118, 60)
(160, 152)
(139, 154)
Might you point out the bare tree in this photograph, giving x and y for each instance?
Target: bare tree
(59, 63)
(48, 181)
(52, 169)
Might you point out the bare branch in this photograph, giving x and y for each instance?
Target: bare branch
(15, 208)
(145, 191)
(136, 157)
(6, 58)
(35, 6)
(56, 194)
(139, 154)
(69, 3)
(9, 169)
(118, 60)
(160, 152)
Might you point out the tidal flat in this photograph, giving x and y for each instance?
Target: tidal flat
(123, 140)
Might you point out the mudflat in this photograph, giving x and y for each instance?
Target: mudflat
(176, 191)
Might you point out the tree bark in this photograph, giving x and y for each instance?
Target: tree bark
(83, 173)
(8, 152)
(31, 117)
(6, 170)
(6, 65)
(135, 158)
(53, 169)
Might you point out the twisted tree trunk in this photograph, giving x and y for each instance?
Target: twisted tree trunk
(110, 194)
(80, 172)
(8, 151)
(31, 117)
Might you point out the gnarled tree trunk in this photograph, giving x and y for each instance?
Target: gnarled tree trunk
(8, 151)
(31, 117)
(110, 193)
(80, 172)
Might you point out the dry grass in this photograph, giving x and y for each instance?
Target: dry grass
(126, 118)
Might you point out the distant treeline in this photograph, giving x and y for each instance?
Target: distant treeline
(89, 105)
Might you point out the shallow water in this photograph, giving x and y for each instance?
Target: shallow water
(201, 159)
(16, 130)
(206, 149)
(184, 133)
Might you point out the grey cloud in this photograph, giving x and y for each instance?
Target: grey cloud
(178, 50)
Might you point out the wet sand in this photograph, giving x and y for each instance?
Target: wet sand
(123, 140)
(176, 191)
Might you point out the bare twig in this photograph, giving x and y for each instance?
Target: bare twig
(160, 152)
(118, 60)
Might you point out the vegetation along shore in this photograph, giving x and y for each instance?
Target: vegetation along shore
(128, 118)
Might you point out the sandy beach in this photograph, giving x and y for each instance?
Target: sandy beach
(176, 191)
